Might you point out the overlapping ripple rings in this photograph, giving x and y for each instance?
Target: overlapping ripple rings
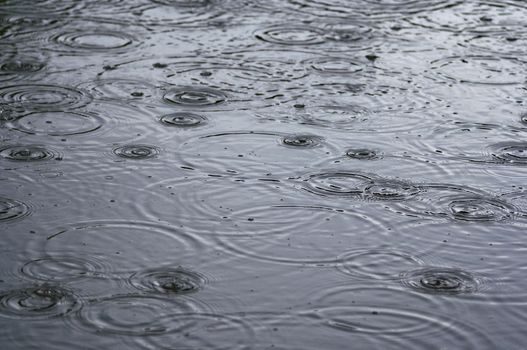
(106, 239)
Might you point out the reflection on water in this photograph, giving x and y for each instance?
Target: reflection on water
(241, 174)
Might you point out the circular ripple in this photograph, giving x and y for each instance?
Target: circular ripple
(334, 117)
(125, 246)
(168, 281)
(57, 123)
(44, 96)
(351, 184)
(15, 69)
(262, 65)
(390, 190)
(485, 19)
(304, 141)
(291, 35)
(269, 69)
(20, 67)
(255, 152)
(204, 331)
(335, 65)
(64, 267)
(41, 301)
(487, 70)
(458, 203)
(194, 97)
(96, 40)
(377, 264)
(394, 315)
(503, 42)
(17, 28)
(11, 209)
(223, 206)
(136, 151)
(191, 13)
(363, 154)
(492, 249)
(134, 315)
(480, 209)
(316, 244)
(341, 184)
(26, 153)
(441, 280)
(513, 153)
(183, 120)
(346, 32)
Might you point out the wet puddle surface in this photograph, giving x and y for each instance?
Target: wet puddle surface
(282, 174)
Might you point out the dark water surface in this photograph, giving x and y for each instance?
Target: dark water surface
(281, 174)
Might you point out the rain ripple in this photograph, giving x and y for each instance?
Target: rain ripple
(442, 280)
(133, 315)
(136, 151)
(121, 245)
(65, 267)
(28, 153)
(44, 97)
(394, 315)
(174, 281)
(183, 120)
(11, 209)
(255, 152)
(56, 123)
(39, 301)
(194, 97)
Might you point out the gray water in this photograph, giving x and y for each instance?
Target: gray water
(281, 174)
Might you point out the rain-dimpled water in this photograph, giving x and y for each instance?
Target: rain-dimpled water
(280, 174)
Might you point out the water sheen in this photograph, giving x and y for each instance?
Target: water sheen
(280, 174)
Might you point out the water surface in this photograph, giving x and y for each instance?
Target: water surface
(242, 174)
